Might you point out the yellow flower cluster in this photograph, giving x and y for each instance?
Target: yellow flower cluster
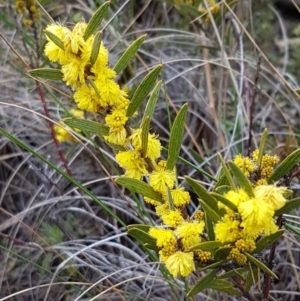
(23, 6)
(254, 217)
(175, 244)
(95, 90)
(93, 82)
(250, 166)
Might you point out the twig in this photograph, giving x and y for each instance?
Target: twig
(267, 277)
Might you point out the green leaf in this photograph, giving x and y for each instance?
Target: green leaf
(224, 201)
(251, 279)
(241, 178)
(209, 225)
(204, 195)
(288, 207)
(140, 187)
(222, 180)
(293, 229)
(142, 227)
(96, 47)
(151, 105)
(222, 253)
(227, 172)
(266, 241)
(142, 237)
(129, 54)
(214, 265)
(55, 39)
(211, 214)
(96, 20)
(285, 166)
(203, 283)
(260, 265)
(207, 246)
(176, 136)
(143, 90)
(234, 272)
(145, 136)
(222, 189)
(87, 126)
(47, 73)
(224, 286)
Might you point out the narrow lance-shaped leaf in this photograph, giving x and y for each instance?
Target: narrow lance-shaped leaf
(143, 90)
(293, 229)
(224, 201)
(176, 136)
(140, 187)
(207, 246)
(129, 54)
(145, 136)
(288, 207)
(250, 280)
(203, 283)
(203, 194)
(235, 272)
(210, 216)
(266, 241)
(47, 73)
(55, 39)
(87, 126)
(96, 20)
(169, 198)
(260, 265)
(96, 47)
(241, 178)
(151, 105)
(227, 172)
(285, 166)
(214, 265)
(224, 286)
(142, 236)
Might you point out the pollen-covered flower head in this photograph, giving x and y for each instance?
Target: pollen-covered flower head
(52, 51)
(271, 195)
(189, 233)
(164, 237)
(180, 264)
(160, 180)
(235, 197)
(153, 146)
(180, 197)
(132, 161)
(257, 218)
(227, 230)
(172, 218)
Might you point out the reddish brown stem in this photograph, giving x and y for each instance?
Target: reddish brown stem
(46, 111)
(246, 294)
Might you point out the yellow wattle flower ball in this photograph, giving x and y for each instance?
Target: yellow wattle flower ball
(180, 264)
(271, 195)
(159, 180)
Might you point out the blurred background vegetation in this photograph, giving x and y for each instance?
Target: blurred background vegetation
(239, 74)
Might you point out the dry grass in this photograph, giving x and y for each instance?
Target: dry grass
(55, 242)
